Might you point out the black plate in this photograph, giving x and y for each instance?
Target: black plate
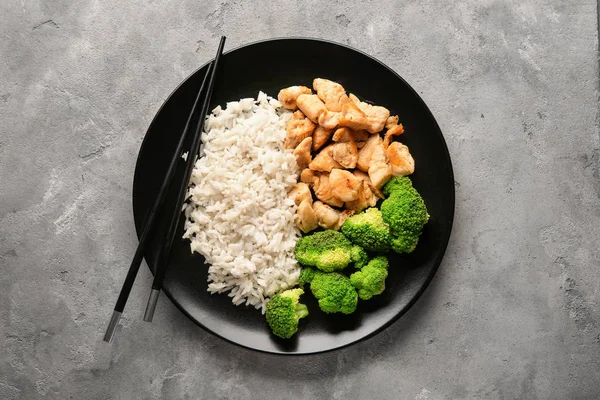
(269, 66)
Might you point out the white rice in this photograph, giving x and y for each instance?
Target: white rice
(239, 216)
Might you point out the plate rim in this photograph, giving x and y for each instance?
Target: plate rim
(437, 261)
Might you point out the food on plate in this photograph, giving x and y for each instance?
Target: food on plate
(345, 152)
(306, 217)
(311, 106)
(298, 128)
(286, 192)
(324, 191)
(284, 311)
(333, 290)
(238, 214)
(368, 230)
(321, 135)
(328, 251)
(401, 161)
(370, 280)
(345, 185)
(324, 161)
(328, 217)
(288, 96)
(302, 153)
(405, 213)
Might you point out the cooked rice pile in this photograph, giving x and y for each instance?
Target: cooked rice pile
(239, 216)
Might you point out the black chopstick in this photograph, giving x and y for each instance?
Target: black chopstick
(148, 229)
(163, 257)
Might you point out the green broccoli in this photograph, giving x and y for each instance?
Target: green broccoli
(284, 311)
(370, 280)
(306, 276)
(405, 213)
(368, 230)
(396, 183)
(328, 250)
(333, 290)
(359, 257)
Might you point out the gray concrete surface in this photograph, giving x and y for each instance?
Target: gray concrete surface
(513, 312)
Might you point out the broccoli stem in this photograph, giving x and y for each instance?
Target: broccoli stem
(301, 310)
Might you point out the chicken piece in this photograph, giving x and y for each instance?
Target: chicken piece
(302, 153)
(345, 151)
(320, 137)
(391, 121)
(298, 128)
(344, 184)
(376, 115)
(380, 171)
(395, 130)
(323, 191)
(365, 153)
(360, 136)
(332, 93)
(287, 97)
(324, 160)
(309, 177)
(364, 199)
(300, 192)
(353, 117)
(363, 176)
(366, 196)
(306, 218)
(401, 161)
(311, 106)
(329, 218)
(329, 119)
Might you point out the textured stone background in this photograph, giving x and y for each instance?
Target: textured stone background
(513, 312)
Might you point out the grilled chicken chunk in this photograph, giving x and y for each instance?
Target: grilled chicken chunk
(332, 93)
(360, 136)
(365, 154)
(345, 185)
(324, 160)
(366, 193)
(345, 151)
(324, 191)
(320, 137)
(353, 117)
(302, 153)
(300, 192)
(311, 106)
(391, 121)
(329, 119)
(329, 218)
(394, 130)
(288, 96)
(306, 218)
(401, 161)
(380, 170)
(298, 128)
(309, 177)
(377, 116)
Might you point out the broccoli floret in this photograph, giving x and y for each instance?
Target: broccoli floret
(334, 292)
(327, 250)
(359, 257)
(368, 230)
(405, 213)
(405, 242)
(284, 311)
(306, 276)
(396, 183)
(370, 281)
